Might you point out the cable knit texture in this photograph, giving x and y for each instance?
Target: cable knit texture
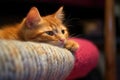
(33, 61)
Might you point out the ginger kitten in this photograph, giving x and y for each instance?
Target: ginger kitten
(34, 27)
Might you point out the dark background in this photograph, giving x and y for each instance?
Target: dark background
(14, 11)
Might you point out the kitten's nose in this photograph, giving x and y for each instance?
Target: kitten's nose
(62, 40)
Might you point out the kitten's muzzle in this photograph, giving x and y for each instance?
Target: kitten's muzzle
(62, 40)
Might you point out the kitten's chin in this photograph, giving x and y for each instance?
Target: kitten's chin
(61, 45)
(57, 44)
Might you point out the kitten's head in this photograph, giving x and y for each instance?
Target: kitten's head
(49, 29)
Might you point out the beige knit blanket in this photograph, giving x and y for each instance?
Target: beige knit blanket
(33, 61)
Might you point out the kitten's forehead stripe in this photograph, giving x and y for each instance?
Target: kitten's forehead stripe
(52, 21)
(51, 24)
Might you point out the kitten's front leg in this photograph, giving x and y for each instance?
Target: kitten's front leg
(71, 45)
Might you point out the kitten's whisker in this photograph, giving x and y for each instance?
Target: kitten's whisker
(68, 16)
(73, 35)
(68, 26)
(68, 20)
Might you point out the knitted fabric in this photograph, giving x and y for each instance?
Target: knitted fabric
(33, 61)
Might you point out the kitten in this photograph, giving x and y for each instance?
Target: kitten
(34, 27)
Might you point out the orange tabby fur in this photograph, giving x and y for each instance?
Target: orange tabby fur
(37, 28)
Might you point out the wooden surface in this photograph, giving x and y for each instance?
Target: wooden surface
(110, 42)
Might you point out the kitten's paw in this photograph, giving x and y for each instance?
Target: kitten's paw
(71, 45)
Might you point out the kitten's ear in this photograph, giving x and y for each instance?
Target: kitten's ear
(59, 13)
(33, 17)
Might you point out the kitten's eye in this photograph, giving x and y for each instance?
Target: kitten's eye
(63, 31)
(51, 33)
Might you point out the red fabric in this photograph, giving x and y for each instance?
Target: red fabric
(86, 56)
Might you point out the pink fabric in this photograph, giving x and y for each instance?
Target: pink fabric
(86, 56)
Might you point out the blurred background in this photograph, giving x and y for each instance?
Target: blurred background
(85, 19)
